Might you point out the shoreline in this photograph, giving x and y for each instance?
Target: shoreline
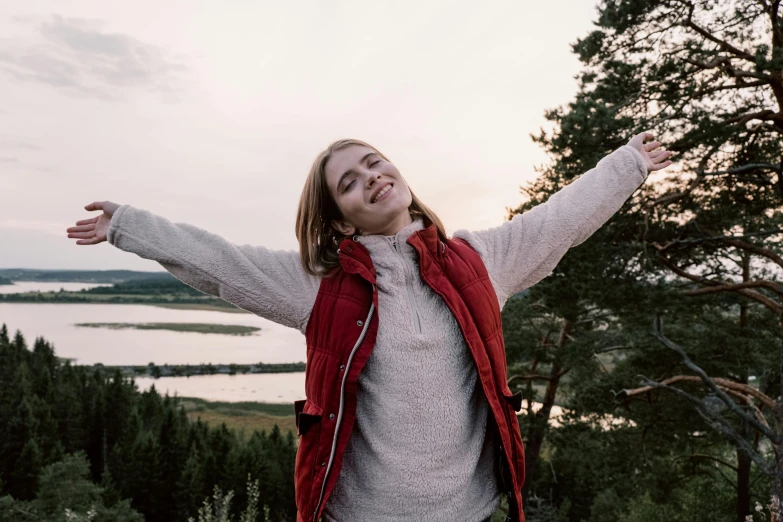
(198, 303)
(195, 370)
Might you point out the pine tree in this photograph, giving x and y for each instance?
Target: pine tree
(707, 79)
(24, 476)
(138, 446)
(190, 487)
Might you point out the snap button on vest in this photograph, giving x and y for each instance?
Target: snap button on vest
(342, 367)
(331, 416)
(359, 322)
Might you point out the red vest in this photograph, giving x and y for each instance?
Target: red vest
(341, 335)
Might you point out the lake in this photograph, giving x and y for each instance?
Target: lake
(21, 287)
(269, 387)
(55, 322)
(273, 344)
(265, 387)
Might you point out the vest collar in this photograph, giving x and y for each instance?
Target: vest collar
(355, 251)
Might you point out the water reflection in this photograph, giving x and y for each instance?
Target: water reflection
(55, 322)
(21, 287)
(267, 387)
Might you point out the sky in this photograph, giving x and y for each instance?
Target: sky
(211, 113)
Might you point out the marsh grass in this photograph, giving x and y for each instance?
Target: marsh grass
(244, 417)
(205, 328)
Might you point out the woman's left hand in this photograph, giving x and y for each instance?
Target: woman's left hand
(654, 156)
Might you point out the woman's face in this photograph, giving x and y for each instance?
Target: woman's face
(356, 175)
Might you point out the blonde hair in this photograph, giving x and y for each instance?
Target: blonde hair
(318, 240)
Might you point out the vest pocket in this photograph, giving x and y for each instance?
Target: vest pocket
(514, 400)
(308, 427)
(307, 414)
(502, 473)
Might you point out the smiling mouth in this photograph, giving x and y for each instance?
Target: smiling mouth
(382, 193)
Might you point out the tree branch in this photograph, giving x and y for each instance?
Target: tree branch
(593, 318)
(613, 349)
(724, 383)
(26, 513)
(734, 73)
(696, 240)
(734, 287)
(726, 46)
(528, 377)
(718, 424)
(716, 62)
(764, 4)
(751, 294)
(760, 416)
(744, 245)
(738, 85)
(750, 166)
(724, 63)
(711, 384)
(707, 457)
(765, 115)
(670, 198)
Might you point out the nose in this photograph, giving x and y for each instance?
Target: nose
(372, 179)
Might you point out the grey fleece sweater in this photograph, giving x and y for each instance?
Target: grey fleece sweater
(418, 450)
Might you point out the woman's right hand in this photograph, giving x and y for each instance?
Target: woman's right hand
(93, 231)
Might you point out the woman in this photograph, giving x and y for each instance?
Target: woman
(408, 416)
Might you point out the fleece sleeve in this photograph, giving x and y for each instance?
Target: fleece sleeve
(526, 249)
(268, 283)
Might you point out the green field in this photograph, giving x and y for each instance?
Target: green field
(244, 417)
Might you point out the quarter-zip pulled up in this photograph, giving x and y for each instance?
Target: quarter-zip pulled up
(408, 286)
(408, 376)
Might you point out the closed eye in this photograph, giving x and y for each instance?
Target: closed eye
(348, 186)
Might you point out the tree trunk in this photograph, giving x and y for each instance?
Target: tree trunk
(539, 427)
(743, 480)
(743, 459)
(777, 516)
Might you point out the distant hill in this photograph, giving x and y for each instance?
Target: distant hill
(168, 285)
(123, 287)
(81, 276)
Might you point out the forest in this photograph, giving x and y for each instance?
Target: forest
(661, 335)
(128, 456)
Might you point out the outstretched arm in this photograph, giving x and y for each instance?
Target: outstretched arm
(526, 249)
(268, 283)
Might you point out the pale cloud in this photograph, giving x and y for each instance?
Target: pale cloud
(449, 90)
(15, 158)
(17, 145)
(33, 225)
(78, 57)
